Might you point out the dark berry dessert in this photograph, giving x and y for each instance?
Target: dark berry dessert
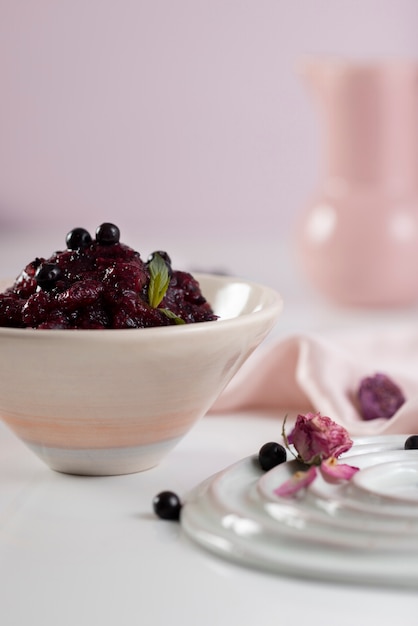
(102, 283)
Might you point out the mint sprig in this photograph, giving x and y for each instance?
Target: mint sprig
(159, 282)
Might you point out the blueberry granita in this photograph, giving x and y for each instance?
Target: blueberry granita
(98, 283)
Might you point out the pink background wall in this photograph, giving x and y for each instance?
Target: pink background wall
(172, 115)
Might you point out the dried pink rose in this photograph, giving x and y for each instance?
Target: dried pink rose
(318, 440)
(379, 396)
(317, 437)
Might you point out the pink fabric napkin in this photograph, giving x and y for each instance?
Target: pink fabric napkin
(322, 373)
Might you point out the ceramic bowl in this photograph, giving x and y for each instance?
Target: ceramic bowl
(107, 402)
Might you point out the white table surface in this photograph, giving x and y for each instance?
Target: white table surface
(77, 551)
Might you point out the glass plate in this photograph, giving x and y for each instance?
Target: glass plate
(363, 531)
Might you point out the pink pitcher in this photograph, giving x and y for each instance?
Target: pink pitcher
(358, 239)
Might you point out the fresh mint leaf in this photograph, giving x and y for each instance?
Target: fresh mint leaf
(159, 280)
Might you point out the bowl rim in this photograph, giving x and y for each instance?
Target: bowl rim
(270, 309)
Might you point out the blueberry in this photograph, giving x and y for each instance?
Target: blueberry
(167, 505)
(411, 443)
(271, 454)
(47, 276)
(107, 234)
(78, 238)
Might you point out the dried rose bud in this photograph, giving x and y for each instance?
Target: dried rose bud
(318, 440)
(317, 437)
(379, 396)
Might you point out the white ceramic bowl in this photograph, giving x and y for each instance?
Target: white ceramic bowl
(104, 402)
